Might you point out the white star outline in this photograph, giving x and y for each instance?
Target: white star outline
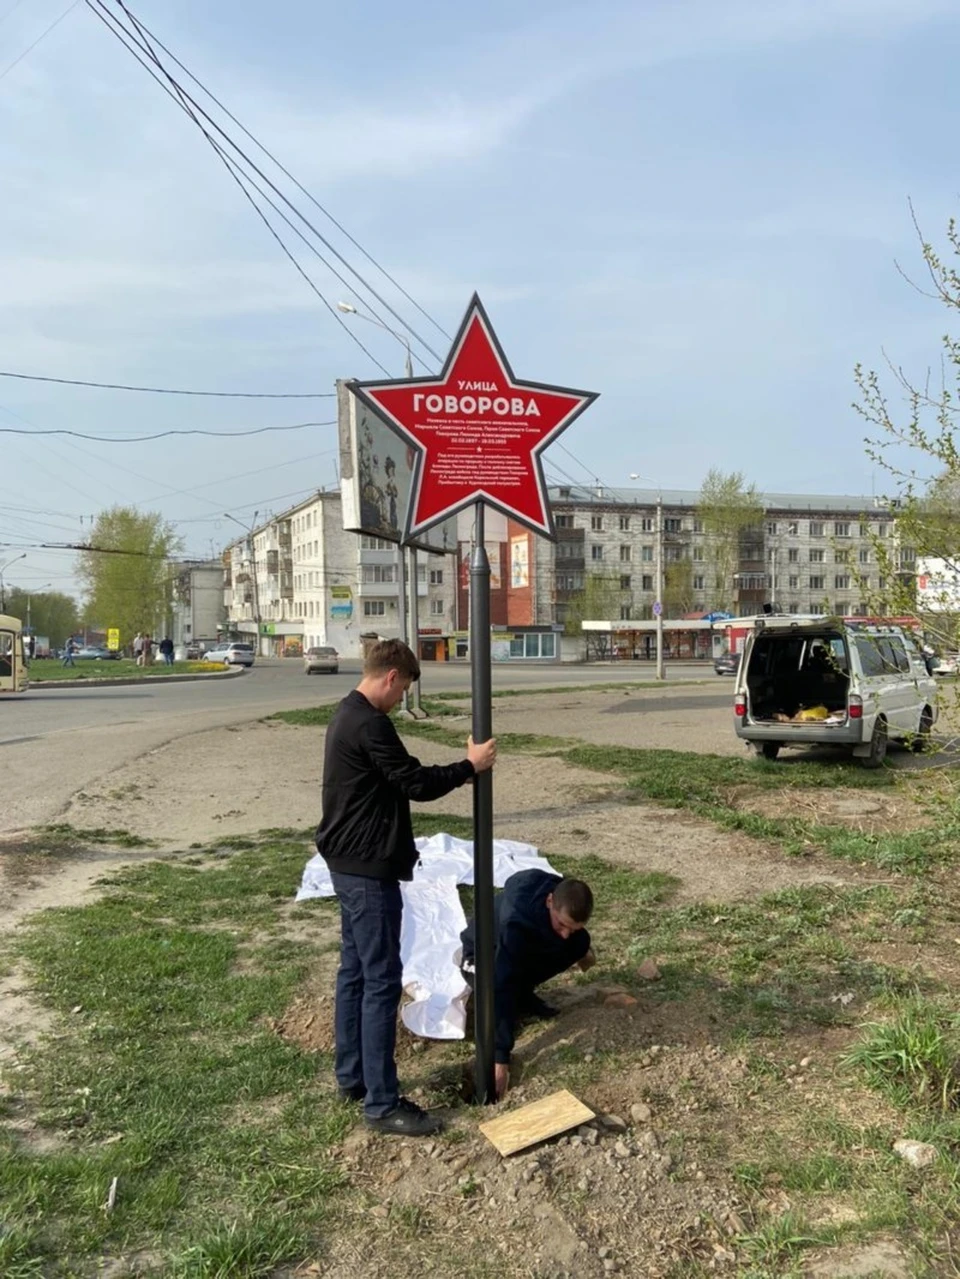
(365, 391)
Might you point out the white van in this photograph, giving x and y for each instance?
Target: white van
(807, 681)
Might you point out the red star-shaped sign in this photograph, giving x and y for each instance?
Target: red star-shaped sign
(477, 431)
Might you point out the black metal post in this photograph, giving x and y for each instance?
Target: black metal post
(480, 686)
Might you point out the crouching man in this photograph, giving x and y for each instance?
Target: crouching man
(539, 931)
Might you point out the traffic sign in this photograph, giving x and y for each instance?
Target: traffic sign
(476, 430)
(657, 609)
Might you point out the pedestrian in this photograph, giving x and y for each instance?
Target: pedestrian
(166, 650)
(146, 651)
(68, 651)
(366, 837)
(138, 649)
(539, 932)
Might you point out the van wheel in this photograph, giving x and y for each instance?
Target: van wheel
(921, 741)
(768, 750)
(878, 746)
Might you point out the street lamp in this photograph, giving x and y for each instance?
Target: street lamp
(253, 567)
(349, 309)
(3, 568)
(30, 594)
(658, 605)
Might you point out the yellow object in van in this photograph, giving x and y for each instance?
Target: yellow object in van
(812, 713)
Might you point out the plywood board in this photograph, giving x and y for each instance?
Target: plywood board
(536, 1122)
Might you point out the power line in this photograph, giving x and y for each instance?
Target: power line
(286, 172)
(166, 390)
(146, 37)
(180, 98)
(159, 435)
(42, 36)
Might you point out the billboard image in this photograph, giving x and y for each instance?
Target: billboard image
(376, 475)
(519, 562)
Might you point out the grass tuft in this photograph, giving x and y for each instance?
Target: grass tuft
(914, 1058)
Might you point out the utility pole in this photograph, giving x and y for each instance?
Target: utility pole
(659, 592)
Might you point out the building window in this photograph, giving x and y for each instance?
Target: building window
(841, 557)
(534, 644)
(596, 523)
(646, 582)
(674, 554)
(646, 554)
(697, 553)
(771, 530)
(436, 608)
(842, 609)
(864, 532)
(624, 612)
(374, 608)
(673, 525)
(698, 583)
(698, 526)
(816, 557)
(793, 528)
(378, 573)
(624, 554)
(881, 583)
(816, 528)
(596, 553)
(569, 581)
(624, 523)
(793, 583)
(569, 550)
(436, 577)
(793, 555)
(881, 530)
(625, 582)
(646, 524)
(816, 609)
(864, 557)
(860, 610)
(841, 582)
(794, 608)
(816, 583)
(841, 529)
(563, 521)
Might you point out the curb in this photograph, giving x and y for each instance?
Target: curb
(127, 681)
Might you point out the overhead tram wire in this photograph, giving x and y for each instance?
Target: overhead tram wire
(159, 435)
(286, 172)
(143, 43)
(176, 95)
(42, 36)
(166, 390)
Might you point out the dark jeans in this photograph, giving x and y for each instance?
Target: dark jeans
(369, 985)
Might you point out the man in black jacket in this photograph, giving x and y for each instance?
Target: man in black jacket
(539, 931)
(366, 838)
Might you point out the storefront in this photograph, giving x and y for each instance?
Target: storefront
(516, 644)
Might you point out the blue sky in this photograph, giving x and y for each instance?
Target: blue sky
(695, 208)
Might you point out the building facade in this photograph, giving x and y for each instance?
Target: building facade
(300, 580)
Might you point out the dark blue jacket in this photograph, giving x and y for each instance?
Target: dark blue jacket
(528, 951)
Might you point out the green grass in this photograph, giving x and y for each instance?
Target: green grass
(63, 831)
(641, 686)
(44, 672)
(171, 1079)
(914, 1057)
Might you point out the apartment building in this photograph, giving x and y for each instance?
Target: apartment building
(299, 580)
(810, 553)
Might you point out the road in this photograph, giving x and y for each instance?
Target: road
(55, 742)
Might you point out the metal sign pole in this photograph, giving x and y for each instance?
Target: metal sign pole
(480, 686)
(415, 624)
(402, 604)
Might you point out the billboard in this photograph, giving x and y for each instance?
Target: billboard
(376, 475)
(938, 586)
(519, 562)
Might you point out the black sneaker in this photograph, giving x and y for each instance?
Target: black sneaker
(407, 1120)
(356, 1093)
(534, 1006)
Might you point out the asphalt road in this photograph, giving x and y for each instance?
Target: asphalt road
(54, 742)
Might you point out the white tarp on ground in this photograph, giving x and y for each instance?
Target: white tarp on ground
(433, 920)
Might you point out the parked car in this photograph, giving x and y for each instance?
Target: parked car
(95, 653)
(948, 664)
(231, 655)
(727, 663)
(811, 681)
(197, 647)
(316, 660)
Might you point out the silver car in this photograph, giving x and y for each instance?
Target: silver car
(231, 655)
(316, 660)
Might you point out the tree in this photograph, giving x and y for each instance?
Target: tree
(51, 613)
(598, 600)
(678, 592)
(915, 443)
(728, 508)
(127, 578)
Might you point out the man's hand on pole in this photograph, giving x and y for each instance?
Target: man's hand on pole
(482, 757)
(501, 1079)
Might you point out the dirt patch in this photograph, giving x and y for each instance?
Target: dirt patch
(869, 812)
